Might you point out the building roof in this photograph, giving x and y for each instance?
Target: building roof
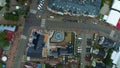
(117, 46)
(101, 54)
(118, 24)
(36, 50)
(39, 66)
(9, 34)
(10, 28)
(113, 17)
(29, 65)
(67, 51)
(106, 42)
(55, 54)
(46, 38)
(115, 57)
(116, 5)
(114, 14)
(76, 6)
(44, 52)
(100, 65)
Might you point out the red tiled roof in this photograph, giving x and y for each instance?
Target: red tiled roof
(9, 34)
(118, 24)
(1, 51)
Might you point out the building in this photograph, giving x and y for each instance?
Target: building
(9, 34)
(7, 27)
(116, 46)
(100, 53)
(75, 7)
(29, 65)
(2, 3)
(106, 42)
(55, 54)
(99, 65)
(115, 59)
(36, 49)
(113, 17)
(68, 50)
(116, 55)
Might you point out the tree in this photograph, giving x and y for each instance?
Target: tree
(10, 16)
(3, 40)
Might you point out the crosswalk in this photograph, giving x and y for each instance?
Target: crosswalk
(23, 37)
(112, 33)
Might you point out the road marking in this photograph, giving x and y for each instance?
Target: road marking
(23, 37)
(112, 33)
(33, 11)
(43, 23)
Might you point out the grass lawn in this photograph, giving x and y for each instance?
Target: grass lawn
(59, 66)
(0, 65)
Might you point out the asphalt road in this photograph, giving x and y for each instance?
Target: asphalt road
(32, 20)
(85, 26)
(83, 44)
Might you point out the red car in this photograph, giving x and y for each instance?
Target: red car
(87, 58)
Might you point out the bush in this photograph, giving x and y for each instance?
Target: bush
(3, 42)
(8, 3)
(1, 7)
(10, 16)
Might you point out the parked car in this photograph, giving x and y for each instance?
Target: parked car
(67, 20)
(87, 58)
(89, 42)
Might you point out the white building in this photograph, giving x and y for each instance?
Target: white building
(2, 3)
(113, 17)
(116, 59)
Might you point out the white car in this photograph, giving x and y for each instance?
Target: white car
(79, 49)
(52, 17)
(41, 4)
(38, 8)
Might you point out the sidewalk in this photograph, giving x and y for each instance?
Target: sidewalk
(12, 52)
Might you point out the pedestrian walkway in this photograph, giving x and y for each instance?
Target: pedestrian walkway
(12, 52)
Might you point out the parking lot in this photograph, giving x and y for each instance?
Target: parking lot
(83, 47)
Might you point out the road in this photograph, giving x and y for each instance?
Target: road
(56, 24)
(87, 26)
(30, 21)
(83, 52)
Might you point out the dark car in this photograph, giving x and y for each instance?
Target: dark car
(67, 20)
(89, 42)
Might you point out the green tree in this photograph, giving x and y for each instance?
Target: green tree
(3, 41)
(10, 16)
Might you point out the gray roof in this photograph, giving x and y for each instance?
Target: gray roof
(100, 65)
(36, 50)
(77, 6)
(117, 46)
(106, 42)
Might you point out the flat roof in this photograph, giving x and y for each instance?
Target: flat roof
(116, 5)
(115, 57)
(88, 7)
(113, 17)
